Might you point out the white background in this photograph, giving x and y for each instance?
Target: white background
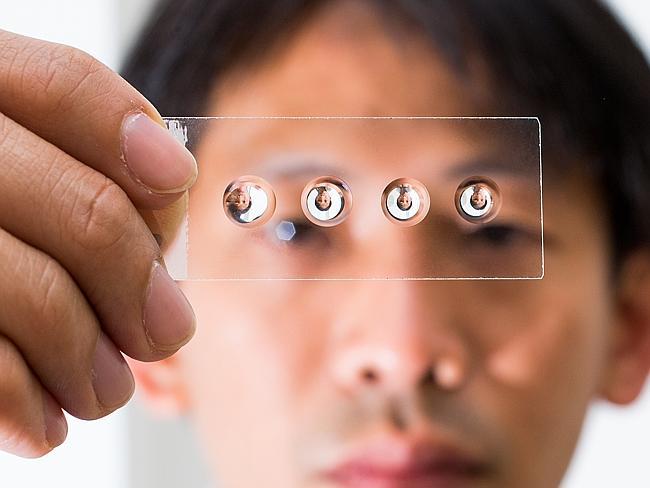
(120, 451)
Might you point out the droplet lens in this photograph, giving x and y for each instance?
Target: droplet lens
(478, 199)
(326, 201)
(249, 201)
(405, 202)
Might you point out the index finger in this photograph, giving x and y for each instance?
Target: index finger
(76, 103)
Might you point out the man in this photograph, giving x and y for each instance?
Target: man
(381, 383)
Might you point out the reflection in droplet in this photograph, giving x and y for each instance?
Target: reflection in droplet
(326, 201)
(249, 201)
(478, 199)
(405, 201)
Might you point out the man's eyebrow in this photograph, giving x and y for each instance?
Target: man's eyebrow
(298, 168)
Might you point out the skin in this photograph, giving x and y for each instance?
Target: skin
(80, 152)
(296, 384)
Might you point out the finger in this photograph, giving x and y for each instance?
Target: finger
(165, 224)
(48, 319)
(89, 226)
(31, 422)
(81, 106)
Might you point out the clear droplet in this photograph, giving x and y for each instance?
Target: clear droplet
(478, 199)
(249, 201)
(405, 201)
(326, 201)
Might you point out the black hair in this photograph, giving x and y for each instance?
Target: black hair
(569, 62)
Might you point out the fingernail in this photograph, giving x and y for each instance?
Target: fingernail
(168, 317)
(154, 158)
(56, 427)
(112, 378)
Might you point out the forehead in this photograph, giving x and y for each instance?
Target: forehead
(347, 59)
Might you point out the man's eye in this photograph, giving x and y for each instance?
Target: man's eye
(499, 235)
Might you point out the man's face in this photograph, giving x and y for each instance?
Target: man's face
(479, 199)
(239, 199)
(323, 200)
(404, 199)
(328, 384)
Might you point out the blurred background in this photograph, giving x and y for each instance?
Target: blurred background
(130, 449)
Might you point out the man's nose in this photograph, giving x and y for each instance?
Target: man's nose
(396, 336)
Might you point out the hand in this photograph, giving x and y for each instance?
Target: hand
(80, 274)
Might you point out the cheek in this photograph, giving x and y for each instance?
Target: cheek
(561, 333)
(245, 371)
(544, 369)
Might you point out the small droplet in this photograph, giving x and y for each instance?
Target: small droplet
(326, 201)
(249, 201)
(478, 199)
(405, 201)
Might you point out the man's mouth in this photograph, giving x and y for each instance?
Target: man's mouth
(395, 463)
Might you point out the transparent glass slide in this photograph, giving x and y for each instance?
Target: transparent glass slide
(345, 198)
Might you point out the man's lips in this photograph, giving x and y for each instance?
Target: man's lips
(399, 464)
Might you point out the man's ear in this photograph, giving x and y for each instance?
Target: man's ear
(628, 365)
(160, 386)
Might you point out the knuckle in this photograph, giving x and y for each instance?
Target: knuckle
(49, 292)
(101, 215)
(20, 152)
(69, 72)
(44, 290)
(49, 300)
(55, 73)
